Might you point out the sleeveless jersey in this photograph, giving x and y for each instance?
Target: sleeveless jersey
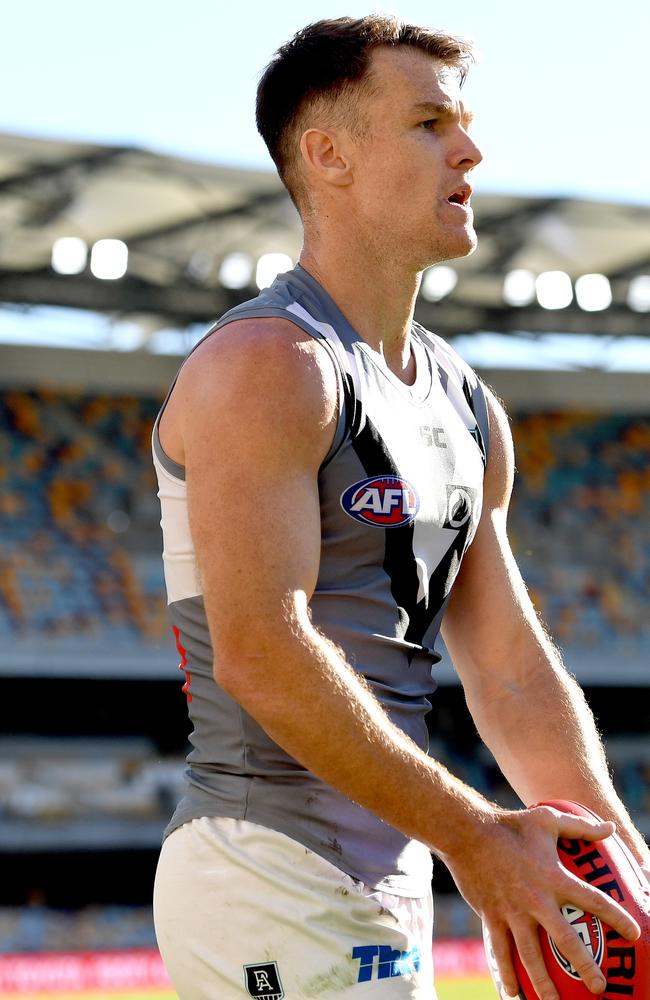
(400, 499)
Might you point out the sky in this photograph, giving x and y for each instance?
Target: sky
(560, 91)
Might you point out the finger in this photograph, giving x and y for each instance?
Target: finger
(530, 953)
(583, 827)
(500, 945)
(592, 900)
(574, 950)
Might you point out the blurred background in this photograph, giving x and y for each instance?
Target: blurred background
(137, 203)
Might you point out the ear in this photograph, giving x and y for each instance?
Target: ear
(325, 157)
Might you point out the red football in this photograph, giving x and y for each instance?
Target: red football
(609, 866)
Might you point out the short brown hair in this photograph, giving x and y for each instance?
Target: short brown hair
(327, 64)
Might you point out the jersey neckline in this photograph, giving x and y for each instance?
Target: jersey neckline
(420, 390)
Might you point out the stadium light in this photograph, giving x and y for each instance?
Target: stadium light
(638, 294)
(593, 292)
(69, 255)
(519, 287)
(554, 290)
(200, 265)
(437, 282)
(236, 270)
(109, 259)
(269, 266)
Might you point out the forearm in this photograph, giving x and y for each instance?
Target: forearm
(299, 688)
(543, 735)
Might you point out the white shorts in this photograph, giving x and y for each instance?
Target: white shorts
(243, 911)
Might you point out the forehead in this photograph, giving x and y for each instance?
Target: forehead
(404, 76)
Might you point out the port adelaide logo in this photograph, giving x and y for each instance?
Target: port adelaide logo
(263, 981)
(590, 931)
(381, 501)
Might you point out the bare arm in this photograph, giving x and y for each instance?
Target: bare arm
(527, 708)
(256, 408)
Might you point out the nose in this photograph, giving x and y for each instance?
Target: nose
(466, 154)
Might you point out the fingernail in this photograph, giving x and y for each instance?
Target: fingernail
(598, 984)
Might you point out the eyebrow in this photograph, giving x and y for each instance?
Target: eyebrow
(445, 109)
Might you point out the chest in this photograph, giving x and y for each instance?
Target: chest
(414, 462)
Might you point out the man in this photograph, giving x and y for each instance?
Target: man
(324, 465)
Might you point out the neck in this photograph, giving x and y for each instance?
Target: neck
(375, 294)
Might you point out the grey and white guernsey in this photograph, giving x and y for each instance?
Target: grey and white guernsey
(400, 499)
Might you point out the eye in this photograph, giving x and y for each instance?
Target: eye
(429, 124)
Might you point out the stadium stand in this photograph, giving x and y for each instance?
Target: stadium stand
(581, 522)
(79, 533)
(36, 927)
(79, 536)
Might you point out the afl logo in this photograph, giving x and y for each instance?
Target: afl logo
(589, 930)
(381, 501)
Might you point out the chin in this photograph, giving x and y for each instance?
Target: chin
(465, 245)
(462, 246)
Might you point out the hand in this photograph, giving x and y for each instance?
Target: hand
(513, 878)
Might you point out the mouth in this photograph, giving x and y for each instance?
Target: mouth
(460, 196)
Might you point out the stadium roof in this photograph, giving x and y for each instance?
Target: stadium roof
(180, 219)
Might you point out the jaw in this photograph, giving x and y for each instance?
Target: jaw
(450, 246)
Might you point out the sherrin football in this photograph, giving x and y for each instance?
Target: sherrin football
(608, 865)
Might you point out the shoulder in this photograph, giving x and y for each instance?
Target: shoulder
(263, 373)
(257, 348)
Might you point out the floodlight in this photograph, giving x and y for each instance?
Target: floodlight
(519, 287)
(437, 282)
(69, 255)
(200, 265)
(269, 266)
(638, 294)
(554, 290)
(593, 292)
(109, 259)
(236, 270)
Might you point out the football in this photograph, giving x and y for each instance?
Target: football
(608, 865)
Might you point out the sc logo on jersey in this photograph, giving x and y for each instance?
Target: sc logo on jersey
(381, 501)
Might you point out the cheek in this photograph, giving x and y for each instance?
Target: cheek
(400, 183)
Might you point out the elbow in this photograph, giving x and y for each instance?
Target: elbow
(255, 649)
(224, 672)
(246, 663)
(235, 665)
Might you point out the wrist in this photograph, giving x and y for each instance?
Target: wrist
(465, 824)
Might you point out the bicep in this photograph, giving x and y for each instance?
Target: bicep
(256, 426)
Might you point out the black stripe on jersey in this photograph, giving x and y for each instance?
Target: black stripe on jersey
(415, 617)
(440, 583)
(481, 418)
(399, 561)
(399, 564)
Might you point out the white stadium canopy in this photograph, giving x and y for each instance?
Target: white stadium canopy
(159, 240)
